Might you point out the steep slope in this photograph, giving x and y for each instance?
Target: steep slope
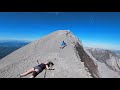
(68, 61)
(109, 62)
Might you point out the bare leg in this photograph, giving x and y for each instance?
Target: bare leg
(33, 75)
(28, 72)
(62, 47)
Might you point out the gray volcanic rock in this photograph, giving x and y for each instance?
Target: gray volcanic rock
(71, 62)
(108, 61)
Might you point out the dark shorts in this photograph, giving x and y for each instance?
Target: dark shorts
(35, 73)
(39, 71)
(37, 67)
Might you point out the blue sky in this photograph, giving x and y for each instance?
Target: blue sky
(94, 29)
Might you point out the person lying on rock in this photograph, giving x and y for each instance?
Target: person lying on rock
(63, 45)
(38, 69)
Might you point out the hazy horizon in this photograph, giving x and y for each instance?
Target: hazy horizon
(94, 29)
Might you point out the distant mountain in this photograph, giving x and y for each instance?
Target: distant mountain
(8, 46)
(109, 57)
(13, 43)
(117, 52)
